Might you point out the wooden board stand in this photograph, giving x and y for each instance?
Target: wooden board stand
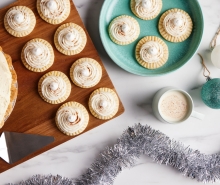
(31, 114)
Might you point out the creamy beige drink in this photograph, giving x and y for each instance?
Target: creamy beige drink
(174, 106)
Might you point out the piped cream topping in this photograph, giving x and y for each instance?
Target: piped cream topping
(124, 29)
(52, 5)
(19, 17)
(53, 9)
(176, 24)
(5, 86)
(18, 20)
(70, 119)
(37, 54)
(53, 88)
(37, 51)
(147, 8)
(146, 4)
(151, 52)
(86, 74)
(69, 38)
(103, 103)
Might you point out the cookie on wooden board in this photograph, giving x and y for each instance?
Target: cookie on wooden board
(37, 55)
(54, 87)
(53, 11)
(72, 118)
(70, 39)
(86, 72)
(103, 103)
(19, 21)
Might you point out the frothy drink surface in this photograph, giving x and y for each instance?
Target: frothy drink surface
(173, 106)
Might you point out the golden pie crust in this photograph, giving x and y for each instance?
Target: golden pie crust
(14, 89)
(152, 65)
(65, 79)
(172, 38)
(55, 21)
(114, 97)
(84, 112)
(44, 68)
(25, 32)
(147, 17)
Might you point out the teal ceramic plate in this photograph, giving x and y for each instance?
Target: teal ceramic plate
(124, 56)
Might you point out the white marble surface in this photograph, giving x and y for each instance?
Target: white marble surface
(72, 158)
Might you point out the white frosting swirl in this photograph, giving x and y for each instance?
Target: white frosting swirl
(53, 9)
(86, 74)
(18, 20)
(103, 103)
(37, 54)
(54, 86)
(70, 119)
(69, 38)
(47, 88)
(176, 24)
(151, 52)
(147, 8)
(123, 29)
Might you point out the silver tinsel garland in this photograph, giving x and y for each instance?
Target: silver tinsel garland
(134, 142)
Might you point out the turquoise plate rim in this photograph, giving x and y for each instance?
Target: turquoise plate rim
(102, 16)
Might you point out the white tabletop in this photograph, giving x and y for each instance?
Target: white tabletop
(72, 158)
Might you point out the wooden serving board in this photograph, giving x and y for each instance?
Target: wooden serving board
(31, 114)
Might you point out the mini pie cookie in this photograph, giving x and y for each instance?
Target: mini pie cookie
(54, 87)
(103, 103)
(53, 11)
(152, 52)
(146, 9)
(8, 87)
(37, 55)
(19, 21)
(72, 118)
(86, 72)
(175, 25)
(70, 39)
(124, 30)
